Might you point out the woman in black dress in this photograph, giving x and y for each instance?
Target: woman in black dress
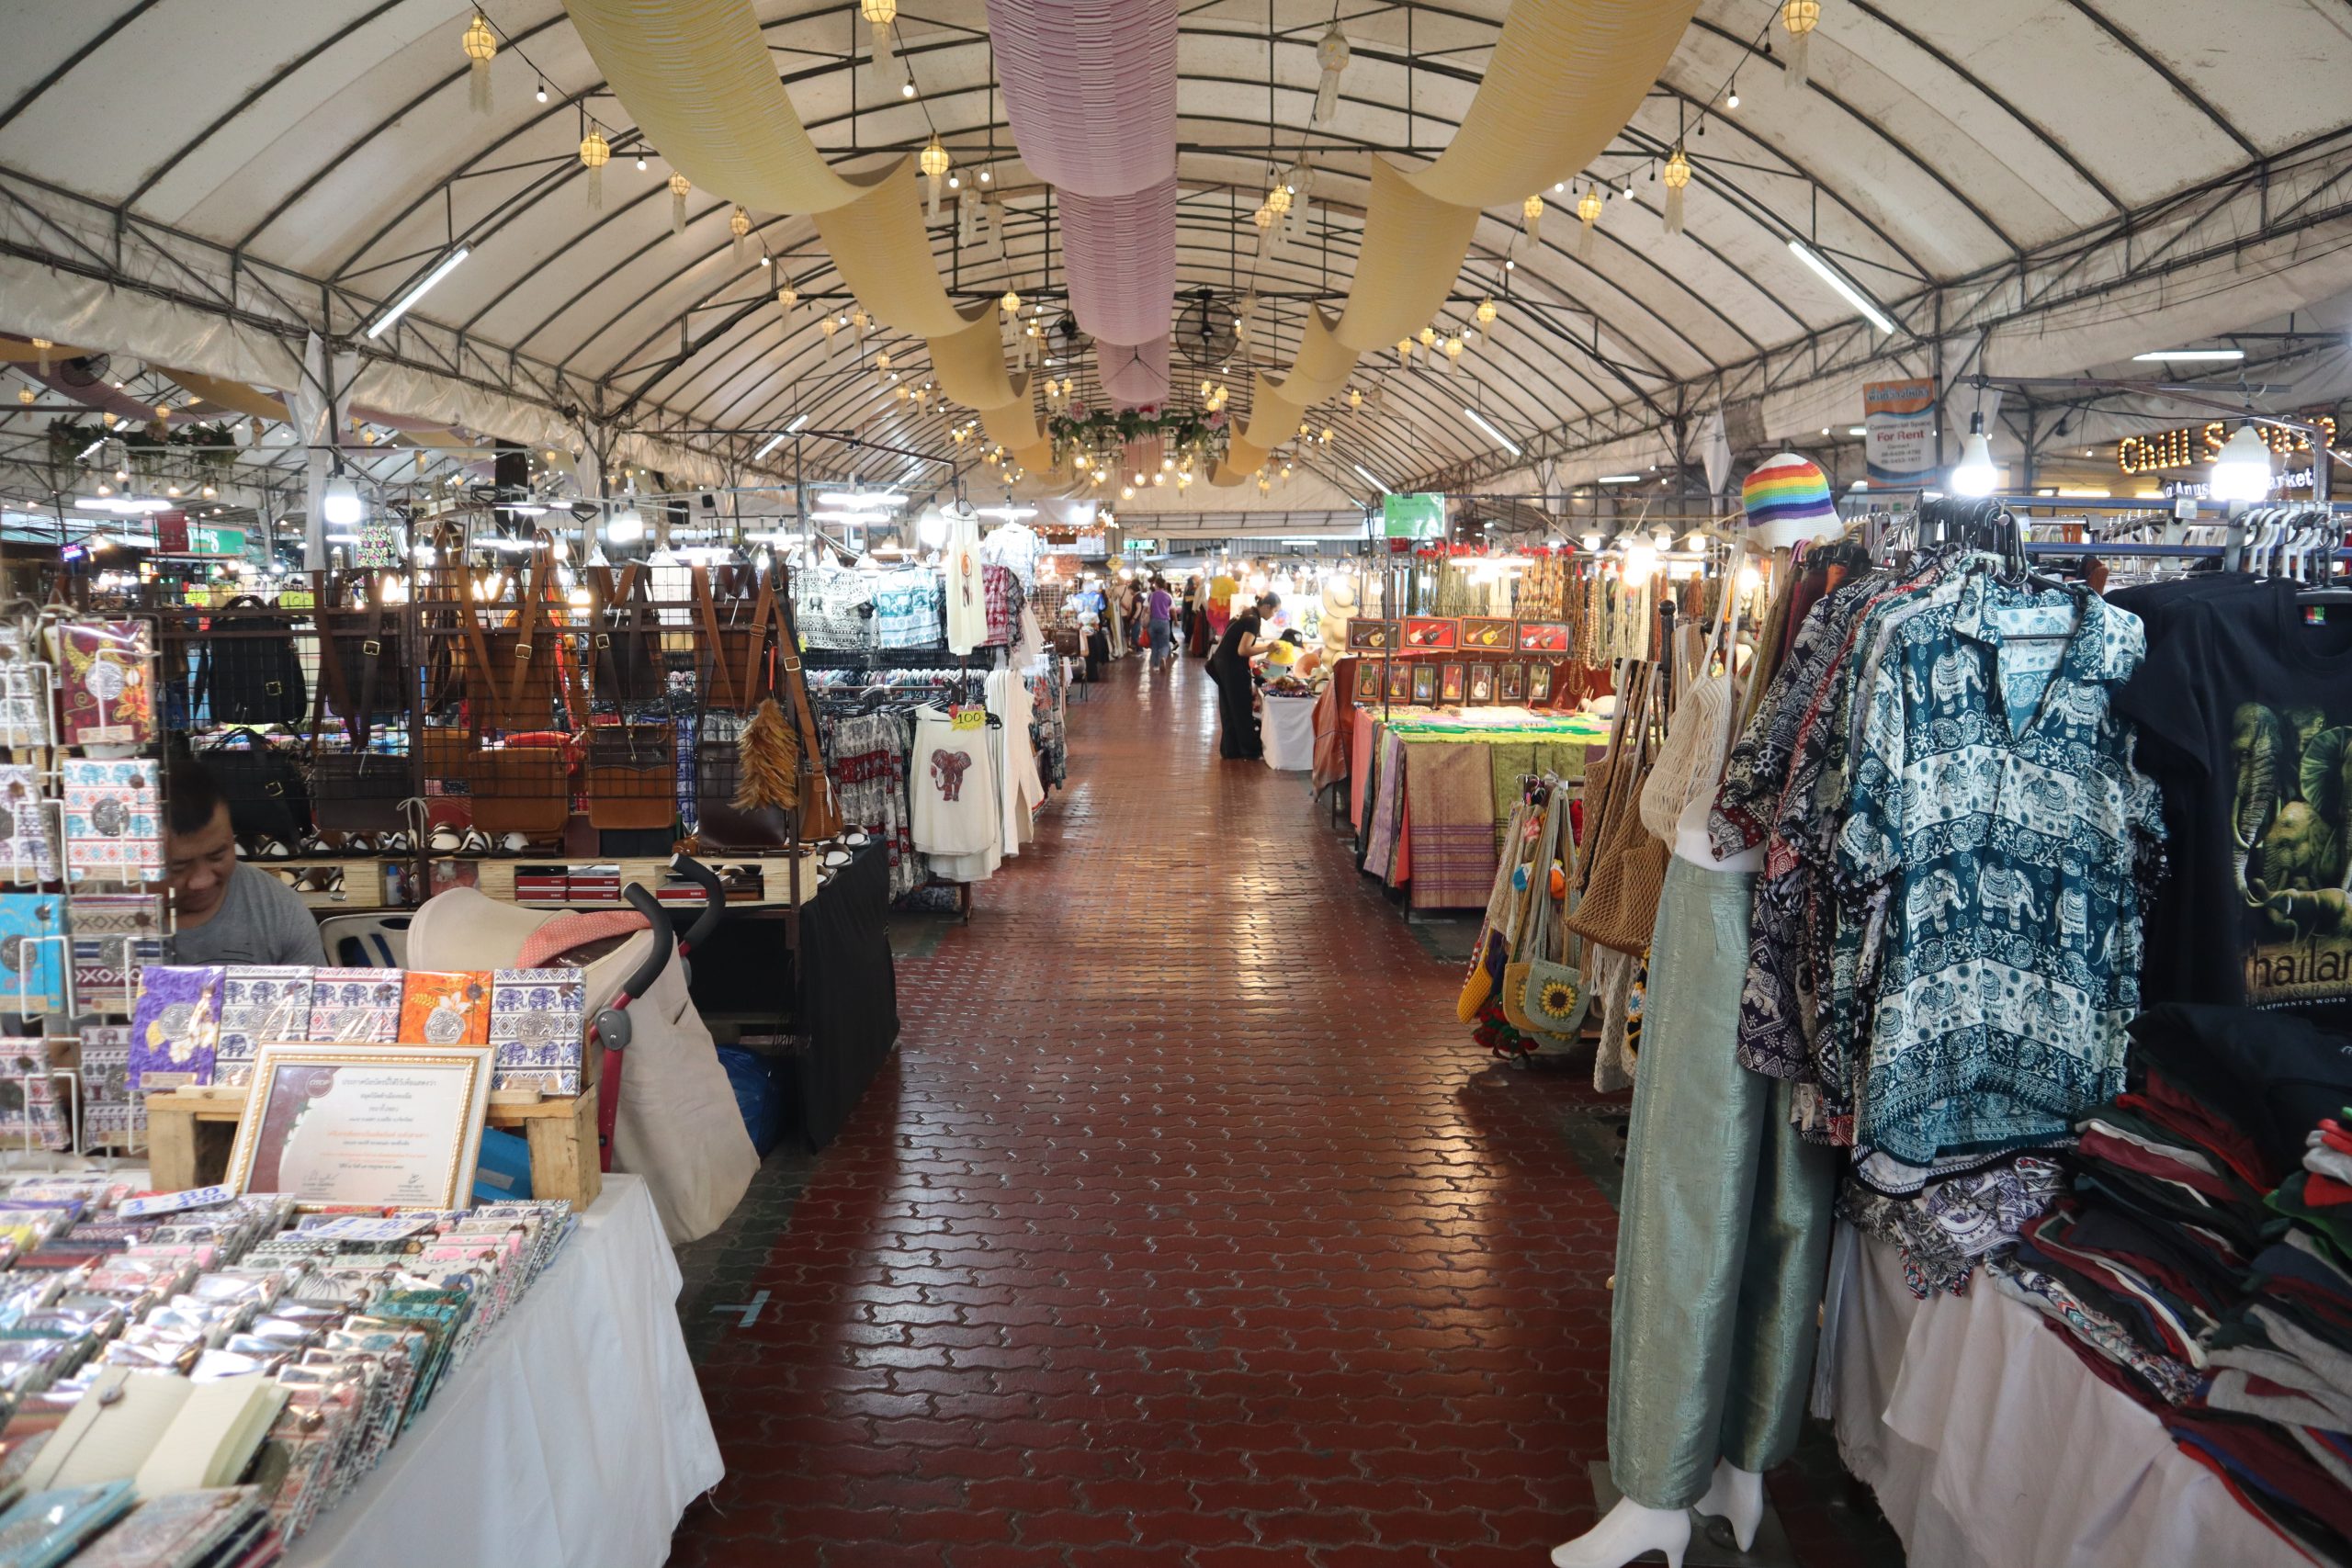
(1230, 668)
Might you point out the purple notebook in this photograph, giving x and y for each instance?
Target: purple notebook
(175, 1027)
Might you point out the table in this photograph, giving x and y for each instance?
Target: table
(1287, 728)
(573, 1437)
(1989, 1445)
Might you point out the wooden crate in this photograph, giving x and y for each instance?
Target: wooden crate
(191, 1131)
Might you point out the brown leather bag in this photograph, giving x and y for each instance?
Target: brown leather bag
(513, 668)
(736, 617)
(1627, 869)
(632, 775)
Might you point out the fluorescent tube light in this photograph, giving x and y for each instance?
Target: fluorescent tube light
(798, 420)
(119, 505)
(400, 308)
(2215, 355)
(1500, 439)
(1837, 281)
(772, 444)
(1621, 478)
(1373, 478)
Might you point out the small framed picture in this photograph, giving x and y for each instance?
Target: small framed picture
(1400, 681)
(1543, 637)
(1424, 684)
(1539, 684)
(389, 1126)
(1367, 635)
(1431, 634)
(1367, 679)
(1514, 683)
(1482, 685)
(1454, 683)
(1481, 635)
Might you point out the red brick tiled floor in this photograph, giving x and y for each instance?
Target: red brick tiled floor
(1186, 1229)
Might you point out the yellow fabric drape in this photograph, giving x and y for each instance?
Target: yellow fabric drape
(14, 353)
(884, 255)
(1412, 250)
(698, 78)
(970, 363)
(235, 396)
(1240, 464)
(1273, 418)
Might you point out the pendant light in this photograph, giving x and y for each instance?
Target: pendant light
(1588, 209)
(1677, 175)
(480, 44)
(595, 154)
(739, 223)
(1331, 55)
(680, 187)
(1531, 212)
(934, 162)
(2241, 470)
(1800, 17)
(879, 15)
(1975, 473)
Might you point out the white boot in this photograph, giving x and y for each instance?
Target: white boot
(1738, 1496)
(1624, 1533)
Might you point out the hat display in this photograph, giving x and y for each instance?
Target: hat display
(1787, 500)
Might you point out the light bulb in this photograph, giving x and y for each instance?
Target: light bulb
(906, 89)
(641, 162)
(627, 527)
(2241, 472)
(1731, 99)
(339, 504)
(542, 94)
(1975, 474)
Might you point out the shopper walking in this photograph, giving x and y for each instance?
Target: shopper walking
(1192, 627)
(1161, 605)
(1230, 668)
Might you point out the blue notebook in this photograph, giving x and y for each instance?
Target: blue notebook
(47, 1528)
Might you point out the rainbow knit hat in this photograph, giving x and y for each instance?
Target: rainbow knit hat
(1787, 499)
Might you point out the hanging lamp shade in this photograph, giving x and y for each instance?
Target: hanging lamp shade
(1278, 198)
(1453, 352)
(1009, 304)
(1486, 312)
(595, 154)
(480, 46)
(879, 15)
(1404, 351)
(933, 163)
(1331, 56)
(1800, 17)
(1530, 212)
(1429, 337)
(1677, 175)
(787, 298)
(1355, 399)
(739, 223)
(829, 326)
(1588, 209)
(882, 360)
(679, 188)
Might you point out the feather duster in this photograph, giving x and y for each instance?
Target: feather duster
(769, 753)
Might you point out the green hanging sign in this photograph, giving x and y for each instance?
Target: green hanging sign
(1413, 517)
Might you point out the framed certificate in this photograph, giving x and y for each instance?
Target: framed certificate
(397, 1125)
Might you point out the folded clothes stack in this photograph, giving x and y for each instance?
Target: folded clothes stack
(2198, 1261)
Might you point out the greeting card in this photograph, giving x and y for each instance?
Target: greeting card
(260, 1002)
(537, 1020)
(107, 699)
(113, 824)
(24, 690)
(176, 1026)
(32, 953)
(356, 1005)
(445, 1009)
(28, 846)
(111, 1114)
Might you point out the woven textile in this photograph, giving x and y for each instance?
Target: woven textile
(907, 607)
(1449, 794)
(867, 756)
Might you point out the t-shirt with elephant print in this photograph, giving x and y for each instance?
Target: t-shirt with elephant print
(2245, 705)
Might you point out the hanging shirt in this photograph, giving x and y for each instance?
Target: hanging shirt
(968, 610)
(1015, 546)
(1997, 831)
(2245, 705)
(952, 785)
(906, 608)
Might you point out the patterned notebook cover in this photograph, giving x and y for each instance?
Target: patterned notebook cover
(111, 1114)
(175, 1027)
(107, 699)
(446, 1007)
(536, 1019)
(356, 1005)
(261, 1003)
(32, 961)
(24, 690)
(113, 825)
(27, 843)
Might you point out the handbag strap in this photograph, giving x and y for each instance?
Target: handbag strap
(1539, 882)
(706, 611)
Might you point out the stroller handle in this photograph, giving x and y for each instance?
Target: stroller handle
(714, 902)
(665, 940)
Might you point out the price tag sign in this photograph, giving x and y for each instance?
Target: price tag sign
(173, 1203)
(969, 718)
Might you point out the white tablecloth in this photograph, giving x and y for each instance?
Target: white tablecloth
(1991, 1446)
(573, 1437)
(1288, 727)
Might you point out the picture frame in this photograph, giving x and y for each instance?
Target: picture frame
(1367, 679)
(1454, 683)
(1482, 685)
(1424, 684)
(1431, 634)
(392, 1125)
(1539, 684)
(1544, 637)
(1368, 636)
(1400, 681)
(1512, 684)
(1484, 633)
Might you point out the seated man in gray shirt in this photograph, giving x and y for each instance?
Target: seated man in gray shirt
(227, 912)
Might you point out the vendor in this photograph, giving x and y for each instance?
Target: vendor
(226, 911)
(1230, 668)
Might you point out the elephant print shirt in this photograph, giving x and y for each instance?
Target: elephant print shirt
(1990, 861)
(2244, 709)
(953, 806)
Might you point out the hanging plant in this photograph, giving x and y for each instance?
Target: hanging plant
(1184, 432)
(206, 445)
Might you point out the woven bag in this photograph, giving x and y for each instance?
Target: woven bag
(1628, 864)
(1560, 999)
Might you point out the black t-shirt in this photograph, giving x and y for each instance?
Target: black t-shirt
(1229, 645)
(2244, 714)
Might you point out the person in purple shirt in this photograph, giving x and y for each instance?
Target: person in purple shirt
(1163, 609)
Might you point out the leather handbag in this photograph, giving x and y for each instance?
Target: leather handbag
(364, 677)
(513, 668)
(360, 792)
(632, 775)
(736, 617)
(266, 790)
(1627, 869)
(625, 646)
(523, 786)
(719, 824)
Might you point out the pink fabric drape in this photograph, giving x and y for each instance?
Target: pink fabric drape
(1089, 86)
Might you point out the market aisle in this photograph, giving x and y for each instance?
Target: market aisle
(1186, 1229)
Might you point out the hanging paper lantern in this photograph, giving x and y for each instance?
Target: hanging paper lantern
(1278, 199)
(1404, 351)
(1331, 54)
(41, 346)
(1800, 17)
(1530, 212)
(934, 164)
(882, 360)
(1487, 312)
(787, 298)
(680, 187)
(480, 43)
(1429, 337)
(1677, 175)
(595, 154)
(1355, 399)
(1011, 303)
(739, 223)
(829, 327)
(879, 15)
(900, 392)
(858, 321)
(1453, 352)
(1264, 218)
(26, 395)
(1588, 209)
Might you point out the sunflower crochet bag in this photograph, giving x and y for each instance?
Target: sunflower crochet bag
(1548, 1009)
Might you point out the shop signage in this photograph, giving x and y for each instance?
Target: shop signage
(1413, 517)
(2193, 446)
(1143, 547)
(1899, 425)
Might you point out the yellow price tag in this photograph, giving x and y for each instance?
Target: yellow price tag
(971, 719)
